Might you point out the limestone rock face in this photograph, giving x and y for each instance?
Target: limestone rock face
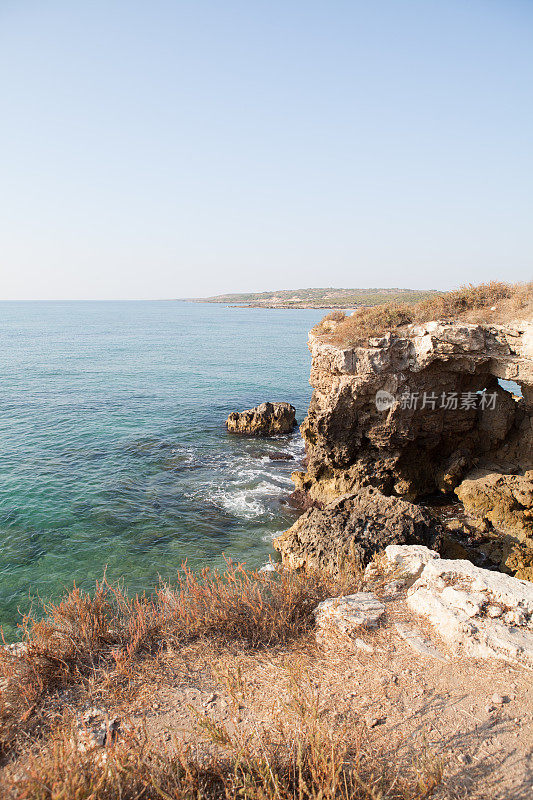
(481, 613)
(352, 529)
(518, 559)
(409, 559)
(266, 419)
(410, 448)
(345, 616)
(505, 504)
(506, 501)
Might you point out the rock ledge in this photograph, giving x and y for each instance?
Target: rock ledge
(352, 528)
(480, 613)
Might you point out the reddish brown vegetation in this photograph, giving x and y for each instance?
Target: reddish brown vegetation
(300, 757)
(97, 644)
(489, 302)
(107, 631)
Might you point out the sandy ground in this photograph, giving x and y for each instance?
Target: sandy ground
(396, 699)
(475, 717)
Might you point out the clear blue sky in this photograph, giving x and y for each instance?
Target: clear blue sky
(164, 149)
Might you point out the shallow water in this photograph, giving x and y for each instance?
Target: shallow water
(113, 452)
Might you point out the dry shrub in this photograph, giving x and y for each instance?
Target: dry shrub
(301, 757)
(128, 770)
(259, 609)
(489, 302)
(86, 635)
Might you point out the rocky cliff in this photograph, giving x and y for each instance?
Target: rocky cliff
(421, 410)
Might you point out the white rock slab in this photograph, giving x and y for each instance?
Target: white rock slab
(418, 642)
(459, 599)
(347, 615)
(409, 558)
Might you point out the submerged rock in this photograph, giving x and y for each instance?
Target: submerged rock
(353, 528)
(266, 419)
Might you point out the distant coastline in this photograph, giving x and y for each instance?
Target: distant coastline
(320, 298)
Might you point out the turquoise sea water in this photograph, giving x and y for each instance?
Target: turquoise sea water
(113, 452)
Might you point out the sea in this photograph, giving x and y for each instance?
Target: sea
(114, 458)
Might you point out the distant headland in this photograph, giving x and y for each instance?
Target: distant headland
(319, 298)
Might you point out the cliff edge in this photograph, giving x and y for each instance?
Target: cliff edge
(421, 410)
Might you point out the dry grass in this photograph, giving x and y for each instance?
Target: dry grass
(489, 302)
(299, 757)
(89, 642)
(89, 635)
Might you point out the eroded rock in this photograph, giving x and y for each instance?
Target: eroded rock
(506, 501)
(266, 419)
(345, 616)
(419, 643)
(95, 728)
(517, 558)
(18, 649)
(409, 559)
(480, 613)
(352, 528)
(412, 449)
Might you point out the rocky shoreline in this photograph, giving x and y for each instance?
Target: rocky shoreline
(267, 419)
(381, 647)
(412, 442)
(412, 439)
(420, 415)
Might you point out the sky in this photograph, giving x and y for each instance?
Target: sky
(170, 149)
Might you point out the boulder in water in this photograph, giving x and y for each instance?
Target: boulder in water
(266, 419)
